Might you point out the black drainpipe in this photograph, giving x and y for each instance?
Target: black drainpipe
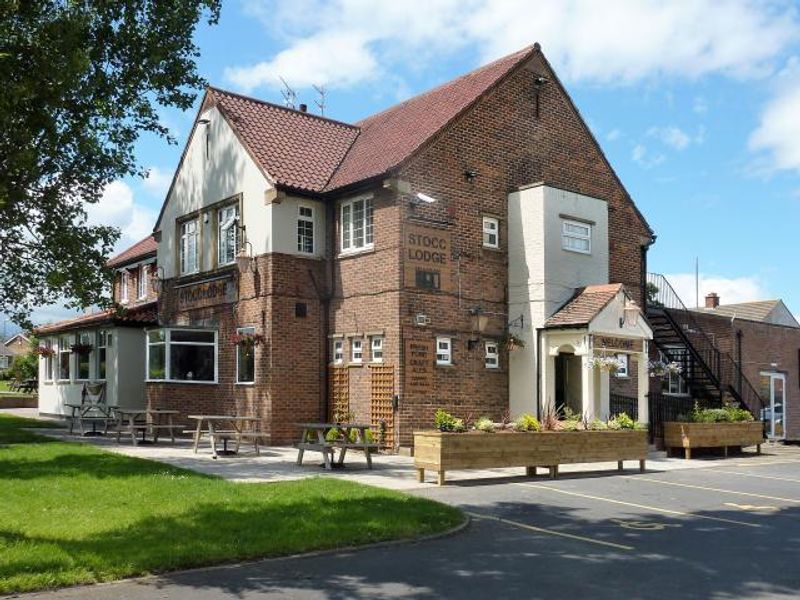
(739, 336)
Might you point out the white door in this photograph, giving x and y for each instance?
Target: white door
(773, 386)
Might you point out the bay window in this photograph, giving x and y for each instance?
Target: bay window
(227, 234)
(246, 358)
(356, 225)
(184, 355)
(189, 262)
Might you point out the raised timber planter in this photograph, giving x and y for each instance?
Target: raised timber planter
(442, 452)
(713, 435)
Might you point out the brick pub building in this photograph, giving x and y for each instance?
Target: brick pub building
(388, 268)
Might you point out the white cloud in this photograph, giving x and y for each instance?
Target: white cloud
(644, 158)
(614, 134)
(118, 208)
(346, 42)
(730, 289)
(700, 105)
(672, 136)
(157, 182)
(777, 137)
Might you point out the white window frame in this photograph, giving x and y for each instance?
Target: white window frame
(624, 371)
(567, 235)
(303, 220)
(64, 347)
(48, 360)
(356, 351)
(230, 223)
(376, 348)
(102, 337)
(250, 330)
(168, 343)
(491, 358)
(491, 227)
(124, 281)
(681, 389)
(141, 284)
(80, 338)
(189, 247)
(347, 231)
(337, 357)
(444, 355)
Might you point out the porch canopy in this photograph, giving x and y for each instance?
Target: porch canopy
(599, 321)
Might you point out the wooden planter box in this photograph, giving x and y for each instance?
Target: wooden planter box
(441, 452)
(713, 435)
(11, 400)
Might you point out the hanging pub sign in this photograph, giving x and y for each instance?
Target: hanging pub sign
(608, 342)
(427, 258)
(206, 293)
(419, 359)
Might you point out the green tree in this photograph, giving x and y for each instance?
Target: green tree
(80, 80)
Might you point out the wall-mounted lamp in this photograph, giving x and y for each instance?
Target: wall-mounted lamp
(630, 314)
(539, 81)
(478, 321)
(420, 198)
(245, 261)
(471, 174)
(158, 280)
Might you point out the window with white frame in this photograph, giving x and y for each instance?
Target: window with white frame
(491, 232)
(246, 358)
(124, 278)
(338, 352)
(185, 355)
(103, 344)
(624, 365)
(675, 385)
(576, 236)
(444, 351)
(189, 250)
(144, 273)
(64, 357)
(305, 229)
(492, 356)
(227, 234)
(83, 359)
(376, 347)
(356, 224)
(47, 359)
(356, 350)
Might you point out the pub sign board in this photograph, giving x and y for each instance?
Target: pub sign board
(426, 255)
(615, 343)
(419, 359)
(206, 293)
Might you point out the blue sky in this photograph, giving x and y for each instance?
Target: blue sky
(696, 104)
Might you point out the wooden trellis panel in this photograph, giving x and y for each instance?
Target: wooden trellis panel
(340, 393)
(381, 411)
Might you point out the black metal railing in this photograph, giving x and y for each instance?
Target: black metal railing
(623, 404)
(723, 371)
(664, 408)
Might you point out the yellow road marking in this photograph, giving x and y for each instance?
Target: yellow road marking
(750, 506)
(789, 479)
(571, 536)
(667, 511)
(713, 489)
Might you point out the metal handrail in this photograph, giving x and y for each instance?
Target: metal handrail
(720, 365)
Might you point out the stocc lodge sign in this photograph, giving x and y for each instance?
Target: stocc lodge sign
(206, 293)
(427, 258)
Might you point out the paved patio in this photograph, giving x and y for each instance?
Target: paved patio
(390, 471)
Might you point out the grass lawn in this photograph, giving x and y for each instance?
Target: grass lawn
(4, 385)
(72, 513)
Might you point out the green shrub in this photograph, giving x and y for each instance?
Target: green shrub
(484, 424)
(332, 435)
(597, 425)
(444, 421)
(570, 425)
(729, 413)
(527, 422)
(621, 421)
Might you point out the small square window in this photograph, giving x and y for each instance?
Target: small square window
(444, 351)
(427, 280)
(377, 348)
(492, 358)
(624, 362)
(301, 310)
(338, 352)
(491, 232)
(356, 350)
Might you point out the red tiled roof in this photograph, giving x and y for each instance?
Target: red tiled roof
(584, 306)
(143, 314)
(297, 149)
(390, 137)
(139, 250)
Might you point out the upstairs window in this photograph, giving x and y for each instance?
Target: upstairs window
(576, 237)
(144, 273)
(227, 234)
(444, 351)
(123, 287)
(189, 247)
(491, 232)
(338, 352)
(305, 230)
(356, 350)
(356, 225)
(377, 348)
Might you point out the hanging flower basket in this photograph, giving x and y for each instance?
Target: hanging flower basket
(247, 340)
(44, 351)
(660, 368)
(82, 349)
(512, 342)
(605, 363)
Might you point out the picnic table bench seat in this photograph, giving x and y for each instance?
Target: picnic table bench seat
(342, 442)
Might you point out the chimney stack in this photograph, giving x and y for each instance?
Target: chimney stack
(304, 108)
(712, 300)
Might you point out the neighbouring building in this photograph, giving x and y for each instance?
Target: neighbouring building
(469, 249)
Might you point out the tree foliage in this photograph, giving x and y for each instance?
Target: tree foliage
(81, 80)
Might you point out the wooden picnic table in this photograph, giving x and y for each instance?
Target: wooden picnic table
(132, 420)
(342, 440)
(93, 412)
(236, 431)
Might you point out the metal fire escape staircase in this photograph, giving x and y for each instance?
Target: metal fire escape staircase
(711, 374)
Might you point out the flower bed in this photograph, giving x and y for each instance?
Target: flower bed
(443, 451)
(726, 427)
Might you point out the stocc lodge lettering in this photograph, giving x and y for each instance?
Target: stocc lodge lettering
(427, 248)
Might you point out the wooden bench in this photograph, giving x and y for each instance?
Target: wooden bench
(342, 442)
